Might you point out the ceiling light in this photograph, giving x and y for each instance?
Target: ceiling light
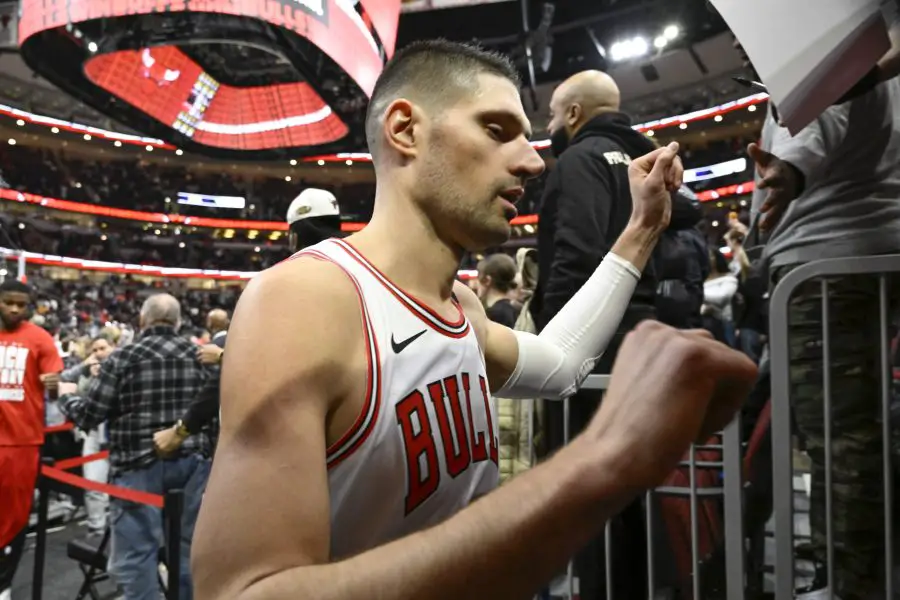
(671, 32)
(178, 152)
(156, 231)
(87, 137)
(650, 133)
(627, 49)
(117, 144)
(20, 122)
(743, 203)
(12, 142)
(718, 119)
(21, 225)
(293, 162)
(181, 244)
(92, 46)
(256, 249)
(149, 148)
(682, 126)
(752, 108)
(168, 200)
(287, 177)
(715, 223)
(321, 162)
(103, 237)
(660, 42)
(55, 129)
(349, 162)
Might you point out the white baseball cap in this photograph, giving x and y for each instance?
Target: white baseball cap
(312, 202)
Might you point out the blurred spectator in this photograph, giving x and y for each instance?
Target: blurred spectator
(832, 191)
(29, 367)
(496, 280)
(94, 440)
(718, 293)
(140, 389)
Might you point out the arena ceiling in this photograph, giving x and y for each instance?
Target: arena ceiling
(692, 71)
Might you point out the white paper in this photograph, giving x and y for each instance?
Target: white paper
(807, 52)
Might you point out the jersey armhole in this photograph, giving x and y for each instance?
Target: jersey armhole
(362, 427)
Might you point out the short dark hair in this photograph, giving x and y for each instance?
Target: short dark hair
(16, 286)
(501, 268)
(432, 71)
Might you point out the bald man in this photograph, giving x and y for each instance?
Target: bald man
(141, 388)
(587, 204)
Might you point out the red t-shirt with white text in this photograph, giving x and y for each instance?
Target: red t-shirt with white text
(25, 354)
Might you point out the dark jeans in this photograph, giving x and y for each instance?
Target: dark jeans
(137, 529)
(750, 344)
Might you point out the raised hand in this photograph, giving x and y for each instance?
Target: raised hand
(653, 177)
(783, 181)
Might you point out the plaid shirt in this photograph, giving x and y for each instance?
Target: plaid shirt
(142, 388)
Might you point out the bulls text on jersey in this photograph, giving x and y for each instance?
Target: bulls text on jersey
(461, 443)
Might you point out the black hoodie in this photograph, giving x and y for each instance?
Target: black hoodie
(585, 207)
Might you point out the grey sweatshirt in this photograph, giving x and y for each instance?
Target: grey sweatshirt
(850, 157)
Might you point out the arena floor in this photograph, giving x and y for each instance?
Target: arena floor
(62, 578)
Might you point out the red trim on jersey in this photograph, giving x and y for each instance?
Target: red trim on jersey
(359, 432)
(457, 329)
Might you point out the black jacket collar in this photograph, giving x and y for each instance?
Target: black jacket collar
(616, 126)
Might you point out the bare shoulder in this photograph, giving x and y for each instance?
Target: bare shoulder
(290, 328)
(473, 309)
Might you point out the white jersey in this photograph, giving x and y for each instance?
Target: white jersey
(425, 444)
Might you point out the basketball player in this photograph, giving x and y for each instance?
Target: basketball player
(357, 429)
(29, 365)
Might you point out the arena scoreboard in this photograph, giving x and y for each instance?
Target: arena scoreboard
(241, 79)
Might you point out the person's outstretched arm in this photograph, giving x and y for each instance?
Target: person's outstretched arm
(264, 527)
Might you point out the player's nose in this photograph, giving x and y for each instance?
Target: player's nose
(530, 163)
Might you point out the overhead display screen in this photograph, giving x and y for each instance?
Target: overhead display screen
(201, 84)
(169, 86)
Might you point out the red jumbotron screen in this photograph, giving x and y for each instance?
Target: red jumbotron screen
(170, 87)
(161, 81)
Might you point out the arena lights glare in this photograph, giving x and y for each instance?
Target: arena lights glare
(715, 112)
(629, 49)
(82, 264)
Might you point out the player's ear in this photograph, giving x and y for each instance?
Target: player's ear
(400, 127)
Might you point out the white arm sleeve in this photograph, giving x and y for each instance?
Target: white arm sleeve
(554, 364)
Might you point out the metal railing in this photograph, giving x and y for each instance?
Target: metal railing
(730, 494)
(825, 272)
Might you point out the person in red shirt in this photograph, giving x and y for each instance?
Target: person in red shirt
(29, 367)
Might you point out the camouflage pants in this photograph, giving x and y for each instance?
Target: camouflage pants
(857, 472)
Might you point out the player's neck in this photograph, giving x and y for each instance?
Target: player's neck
(401, 241)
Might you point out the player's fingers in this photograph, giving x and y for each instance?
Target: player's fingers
(674, 174)
(643, 164)
(663, 163)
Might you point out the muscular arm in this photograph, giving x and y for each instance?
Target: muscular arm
(553, 364)
(263, 531)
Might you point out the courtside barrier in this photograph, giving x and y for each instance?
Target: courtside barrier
(706, 488)
(172, 505)
(865, 284)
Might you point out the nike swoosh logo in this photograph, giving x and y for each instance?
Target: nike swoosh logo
(401, 346)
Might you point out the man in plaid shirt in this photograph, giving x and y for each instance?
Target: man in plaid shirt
(140, 389)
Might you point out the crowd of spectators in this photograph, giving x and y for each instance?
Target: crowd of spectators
(72, 309)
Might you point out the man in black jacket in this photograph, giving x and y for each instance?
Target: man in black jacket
(586, 205)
